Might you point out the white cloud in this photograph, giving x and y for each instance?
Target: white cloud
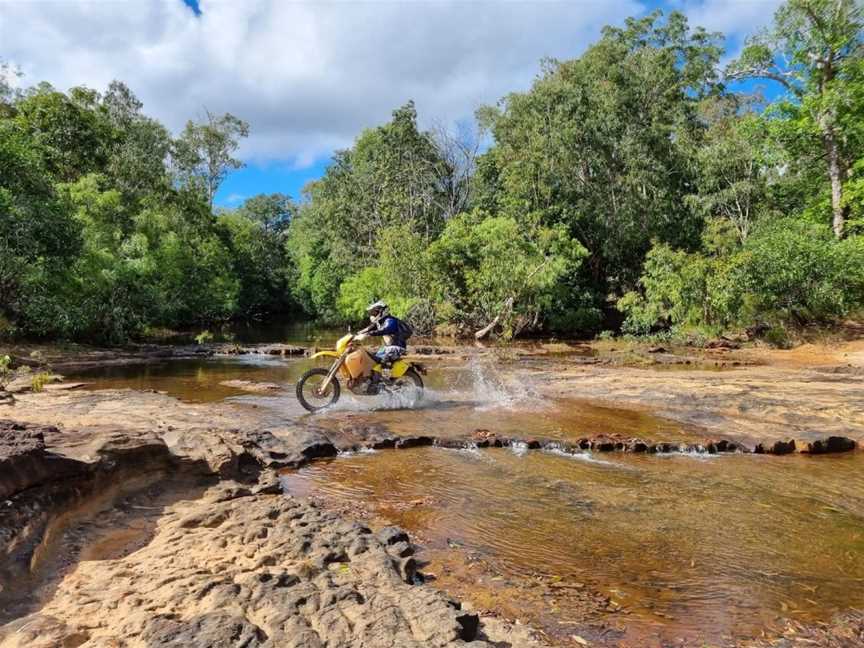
(735, 18)
(307, 76)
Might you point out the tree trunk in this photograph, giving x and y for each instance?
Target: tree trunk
(486, 330)
(836, 172)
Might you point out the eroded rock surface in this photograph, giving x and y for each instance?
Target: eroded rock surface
(240, 569)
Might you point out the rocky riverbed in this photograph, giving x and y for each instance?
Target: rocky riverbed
(134, 518)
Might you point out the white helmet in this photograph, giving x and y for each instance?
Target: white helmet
(377, 311)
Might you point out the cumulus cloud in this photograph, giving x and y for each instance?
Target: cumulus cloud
(307, 76)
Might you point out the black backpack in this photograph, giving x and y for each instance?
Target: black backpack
(405, 330)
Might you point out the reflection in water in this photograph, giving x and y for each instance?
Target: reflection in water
(461, 396)
(708, 550)
(194, 381)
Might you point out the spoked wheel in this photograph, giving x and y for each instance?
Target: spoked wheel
(409, 385)
(309, 390)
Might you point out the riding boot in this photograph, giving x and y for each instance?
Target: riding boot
(374, 383)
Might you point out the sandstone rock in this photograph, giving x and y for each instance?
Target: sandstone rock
(24, 461)
(238, 569)
(391, 535)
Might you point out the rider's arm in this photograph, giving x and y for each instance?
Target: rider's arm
(389, 327)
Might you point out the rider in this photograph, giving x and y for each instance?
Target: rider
(385, 325)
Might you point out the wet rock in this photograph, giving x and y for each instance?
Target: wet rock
(638, 446)
(825, 446)
(454, 444)
(365, 436)
(777, 448)
(414, 441)
(319, 450)
(602, 444)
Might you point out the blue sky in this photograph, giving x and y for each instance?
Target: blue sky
(308, 76)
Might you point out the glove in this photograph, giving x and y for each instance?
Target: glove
(360, 337)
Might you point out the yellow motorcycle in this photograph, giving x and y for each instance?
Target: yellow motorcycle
(319, 388)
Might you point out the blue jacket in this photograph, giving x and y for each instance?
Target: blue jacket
(389, 327)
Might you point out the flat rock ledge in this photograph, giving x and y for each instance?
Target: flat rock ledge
(236, 568)
(241, 565)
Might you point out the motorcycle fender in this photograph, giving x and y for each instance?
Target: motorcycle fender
(325, 354)
(399, 368)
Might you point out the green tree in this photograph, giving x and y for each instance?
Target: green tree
(204, 153)
(815, 51)
(273, 211)
(36, 233)
(492, 273)
(140, 149)
(603, 144)
(72, 138)
(734, 163)
(392, 176)
(255, 234)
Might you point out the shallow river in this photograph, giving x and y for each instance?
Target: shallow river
(642, 550)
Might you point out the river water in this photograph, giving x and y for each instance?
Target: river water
(614, 549)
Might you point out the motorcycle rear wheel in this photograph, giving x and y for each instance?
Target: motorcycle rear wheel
(409, 383)
(307, 390)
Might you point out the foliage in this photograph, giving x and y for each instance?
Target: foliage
(602, 144)
(5, 371)
(203, 155)
(815, 51)
(39, 380)
(106, 225)
(629, 182)
(789, 271)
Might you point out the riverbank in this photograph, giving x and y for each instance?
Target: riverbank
(100, 499)
(172, 529)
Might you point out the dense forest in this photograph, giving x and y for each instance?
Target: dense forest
(641, 186)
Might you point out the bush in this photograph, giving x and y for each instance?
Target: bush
(789, 272)
(798, 272)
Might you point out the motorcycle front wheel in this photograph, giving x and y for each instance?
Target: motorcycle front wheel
(308, 390)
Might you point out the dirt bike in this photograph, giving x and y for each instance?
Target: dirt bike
(319, 388)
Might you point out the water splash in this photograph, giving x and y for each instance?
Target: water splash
(519, 448)
(344, 454)
(490, 389)
(588, 457)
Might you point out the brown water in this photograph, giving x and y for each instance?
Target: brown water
(699, 550)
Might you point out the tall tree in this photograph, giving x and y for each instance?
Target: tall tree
(733, 161)
(204, 154)
(141, 146)
(815, 51)
(395, 175)
(273, 211)
(602, 143)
